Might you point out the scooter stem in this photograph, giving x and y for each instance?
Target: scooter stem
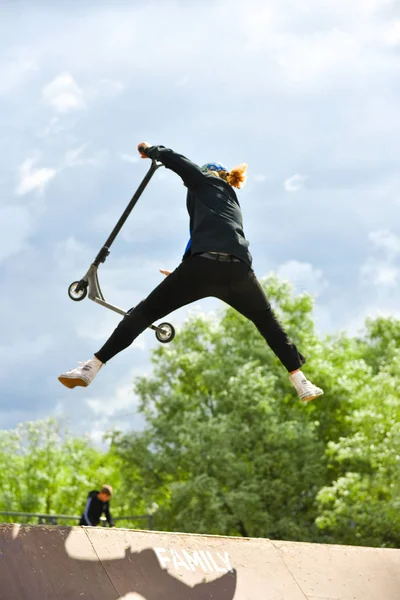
(105, 250)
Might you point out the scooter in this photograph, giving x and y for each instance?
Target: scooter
(89, 284)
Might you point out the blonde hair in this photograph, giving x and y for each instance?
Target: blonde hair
(236, 177)
(106, 489)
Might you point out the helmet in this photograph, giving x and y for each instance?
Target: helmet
(213, 167)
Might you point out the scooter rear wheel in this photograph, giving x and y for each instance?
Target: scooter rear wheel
(74, 295)
(167, 335)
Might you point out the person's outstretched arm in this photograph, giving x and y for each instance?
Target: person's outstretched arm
(108, 515)
(87, 508)
(190, 173)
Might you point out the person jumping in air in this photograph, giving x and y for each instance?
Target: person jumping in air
(216, 262)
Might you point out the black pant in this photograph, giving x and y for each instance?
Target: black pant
(199, 277)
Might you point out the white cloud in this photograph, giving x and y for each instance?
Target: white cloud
(391, 34)
(75, 157)
(294, 183)
(383, 272)
(15, 227)
(116, 408)
(379, 273)
(110, 87)
(23, 351)
(315, 46)
(304, 276)
(33, 179)
(260, 178)
(54, 127)
(310, 59)
(70, 254)
(387, 241)
(183, 82)
(356, 324)
(122, 398)
(307, 68)
(97, 327)
(15, 72)
(130, 158)
(63, 94)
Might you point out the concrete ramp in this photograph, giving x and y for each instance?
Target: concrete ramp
(74, 563)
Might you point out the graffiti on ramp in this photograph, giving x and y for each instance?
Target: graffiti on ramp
(43, 563)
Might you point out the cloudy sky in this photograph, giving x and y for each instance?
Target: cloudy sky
(307, 93)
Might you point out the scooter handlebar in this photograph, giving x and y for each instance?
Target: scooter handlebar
(142, 149)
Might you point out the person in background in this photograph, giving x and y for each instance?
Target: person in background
(98, 502)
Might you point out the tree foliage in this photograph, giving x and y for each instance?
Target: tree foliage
(47, 470)
(229, 449)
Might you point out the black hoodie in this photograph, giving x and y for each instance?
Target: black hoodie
(216, 222)
(94, 509)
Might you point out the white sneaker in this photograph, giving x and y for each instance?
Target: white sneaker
(82, 375)
(306, 390)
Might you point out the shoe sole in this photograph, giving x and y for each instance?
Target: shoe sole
(72, 382)
(310, 398)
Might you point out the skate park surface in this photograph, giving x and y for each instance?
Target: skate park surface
(75, 563)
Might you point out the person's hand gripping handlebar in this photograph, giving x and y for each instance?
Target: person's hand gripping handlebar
(142, 147)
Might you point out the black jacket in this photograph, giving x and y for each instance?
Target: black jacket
(94, 509)
(216, 223)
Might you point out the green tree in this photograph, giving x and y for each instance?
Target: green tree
(362, 504)
(228, 448)
(45, 469)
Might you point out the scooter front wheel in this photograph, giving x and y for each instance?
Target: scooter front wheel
(167, 334)
(75, 295)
